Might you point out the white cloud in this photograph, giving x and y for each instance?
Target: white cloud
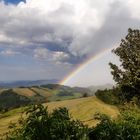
(54, 57)
(60, 56)
(46, 20)
(9, 52)
(41, 53)
(134, 5)
(71, 26)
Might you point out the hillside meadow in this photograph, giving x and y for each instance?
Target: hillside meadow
(82, 109)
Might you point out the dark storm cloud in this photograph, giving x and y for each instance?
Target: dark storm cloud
(115, 27)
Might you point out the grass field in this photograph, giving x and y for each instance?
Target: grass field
(56, 96)
(41, 91)
(85, 108)
(82, 109)
(9, 117)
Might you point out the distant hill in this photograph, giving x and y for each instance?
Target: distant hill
(28, 92)
(68, 88)
(19, 96)
(101, 87)
(27, 83)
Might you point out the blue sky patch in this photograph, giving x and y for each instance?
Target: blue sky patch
(13, 1)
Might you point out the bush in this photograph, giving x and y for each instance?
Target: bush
(125, 127)
(42, 125)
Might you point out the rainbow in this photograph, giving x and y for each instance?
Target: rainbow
(84, 64)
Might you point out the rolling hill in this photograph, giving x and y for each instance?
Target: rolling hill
(20, 96)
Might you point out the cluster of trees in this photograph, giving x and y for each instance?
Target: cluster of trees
(109, 96)
(65, 93)
(9, 99)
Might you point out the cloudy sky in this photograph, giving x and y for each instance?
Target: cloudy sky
(48, 39)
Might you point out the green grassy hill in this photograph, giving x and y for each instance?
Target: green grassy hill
(82, 109)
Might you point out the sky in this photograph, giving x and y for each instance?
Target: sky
(50, 39)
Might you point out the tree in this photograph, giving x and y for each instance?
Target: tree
(85, 94)
(127, 76)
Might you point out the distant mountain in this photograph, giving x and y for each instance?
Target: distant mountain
(100, 87)
(67, 88)
(27, 83)
(90, 90)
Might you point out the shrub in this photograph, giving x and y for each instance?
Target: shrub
(42, 125)
(125, 127)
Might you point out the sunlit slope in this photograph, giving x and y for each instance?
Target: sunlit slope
(42, 91)
(85, 108)
(2, 89)
(82, 109)
(30, 91)
(24, 91)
